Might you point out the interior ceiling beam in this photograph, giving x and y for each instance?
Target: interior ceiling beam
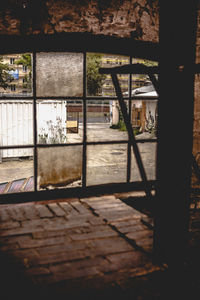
(79, 42)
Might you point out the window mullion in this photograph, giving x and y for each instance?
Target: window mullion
(129, 113)
(84, 163)
(35, 121)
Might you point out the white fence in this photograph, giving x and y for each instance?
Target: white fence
(16, 123)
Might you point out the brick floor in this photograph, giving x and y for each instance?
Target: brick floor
(76, 246)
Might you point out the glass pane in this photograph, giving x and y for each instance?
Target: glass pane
(141, 80)
(59, 167)
(105, 121)
(101, 84)
(16, 170)
(74, 121)
(59, 121)
(59, 74)
(16, 122)
(148, 156)
(106, 164)
(16, 79)
(144, 118)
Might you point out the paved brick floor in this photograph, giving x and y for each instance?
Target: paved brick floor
(75, 247)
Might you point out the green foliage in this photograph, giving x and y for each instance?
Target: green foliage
(26, 61)
(5, 77)
(136, 131)
(121, 126)
(95, 80)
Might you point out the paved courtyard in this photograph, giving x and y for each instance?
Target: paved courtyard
(105, 163)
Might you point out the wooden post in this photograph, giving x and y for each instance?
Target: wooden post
(175, 130)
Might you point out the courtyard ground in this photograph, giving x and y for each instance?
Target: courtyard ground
(105, 163)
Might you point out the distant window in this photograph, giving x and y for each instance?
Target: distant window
(12, 61)
(24, 68)
(13, 87)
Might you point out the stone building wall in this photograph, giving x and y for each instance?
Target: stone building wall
(110, 17)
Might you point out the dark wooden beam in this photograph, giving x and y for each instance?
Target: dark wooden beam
(175, 130)
(79, 42)
(130, 69)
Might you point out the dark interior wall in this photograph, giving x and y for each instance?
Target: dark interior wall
(123, 18)
(132, 19)
(196, 127)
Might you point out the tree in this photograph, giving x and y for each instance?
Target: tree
(26, 61)
(5, 76)
(95, 80)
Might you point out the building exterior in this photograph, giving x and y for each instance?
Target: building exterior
(143, 108)
(144, 112)
(109, 60)
(20, 73)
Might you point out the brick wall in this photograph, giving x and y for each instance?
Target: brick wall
(196, 126)
(136, 18)
(110, 17)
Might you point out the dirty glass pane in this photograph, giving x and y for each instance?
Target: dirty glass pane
(105, 121)
(59, 167)
(106, 164)
(16, 170)
(59, 121)
(16, 79)
(148, 156)
(101, 84)
(16, 122)
(59, 74)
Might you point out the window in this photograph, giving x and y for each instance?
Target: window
(24, 68)
(13, 87)
(12, 61)
(63, 138)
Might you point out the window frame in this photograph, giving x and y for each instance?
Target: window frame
(84, 189)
